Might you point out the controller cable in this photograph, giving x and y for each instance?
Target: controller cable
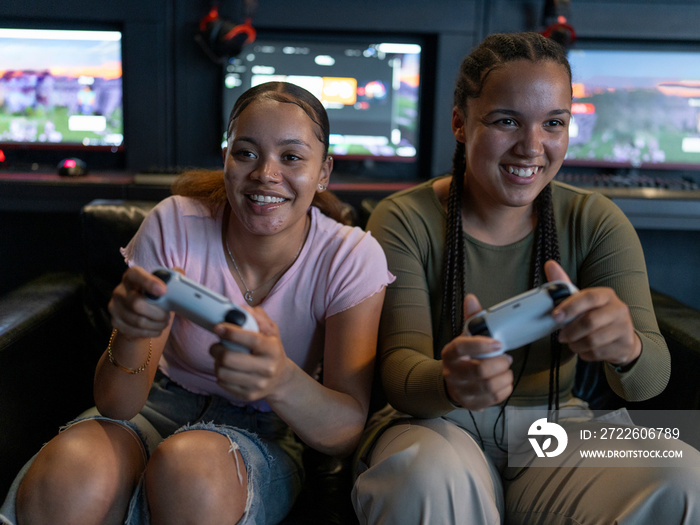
(502, 409)
(553, 401)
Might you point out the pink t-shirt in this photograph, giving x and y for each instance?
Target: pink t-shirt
(338, 268)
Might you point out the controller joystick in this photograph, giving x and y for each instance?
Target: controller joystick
(235, 317)
(163, 275)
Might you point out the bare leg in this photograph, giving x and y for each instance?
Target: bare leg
(86, 474)
(196, 477)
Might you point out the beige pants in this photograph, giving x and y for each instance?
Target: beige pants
(434, 472)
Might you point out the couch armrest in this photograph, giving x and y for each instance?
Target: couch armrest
(680, 326)
(46, 368)
(35, 304)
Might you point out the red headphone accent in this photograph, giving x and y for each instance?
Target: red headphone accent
(554, 18)
(244, 28)
(212, 16)
(560, 27)
(222, 39)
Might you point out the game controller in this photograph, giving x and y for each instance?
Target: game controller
(201, 305)
(522, 319)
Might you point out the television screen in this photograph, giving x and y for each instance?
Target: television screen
(370, 87)
(636, 108)
(61, 89)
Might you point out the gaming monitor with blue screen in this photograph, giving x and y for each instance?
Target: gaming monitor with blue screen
(370, 87)
(635, 107)
(60, 92)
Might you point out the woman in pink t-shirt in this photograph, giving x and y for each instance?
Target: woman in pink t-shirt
(187, 430)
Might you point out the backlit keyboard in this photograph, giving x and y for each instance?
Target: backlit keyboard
(611, 180)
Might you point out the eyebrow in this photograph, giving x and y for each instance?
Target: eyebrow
(283, 142)
(514, 113)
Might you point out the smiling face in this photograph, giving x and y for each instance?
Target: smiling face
(273, 165)
(515, 133)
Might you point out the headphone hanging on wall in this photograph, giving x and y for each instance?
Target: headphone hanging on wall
(222, 39)
(555, 19)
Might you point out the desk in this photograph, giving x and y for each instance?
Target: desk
(47, 192)
(657, 209)
(44, 192)
(647, 208)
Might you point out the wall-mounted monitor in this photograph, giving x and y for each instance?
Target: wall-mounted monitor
(635, 106)
(60, 94)
(371, 87)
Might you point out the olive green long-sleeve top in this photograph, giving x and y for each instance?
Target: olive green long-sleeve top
(598, 247)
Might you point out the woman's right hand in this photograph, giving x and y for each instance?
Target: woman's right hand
(263, 372)
(474, 383)
(132, 315)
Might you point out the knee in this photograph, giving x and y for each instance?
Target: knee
(71, 460)
(427, 472)
(424, 473)
(197, 469)
(677, 485)
(78, 469)
(425, 463)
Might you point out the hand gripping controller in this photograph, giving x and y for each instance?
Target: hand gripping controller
(200, 305)
(522, 319)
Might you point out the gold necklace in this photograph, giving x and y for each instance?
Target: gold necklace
(248, 295)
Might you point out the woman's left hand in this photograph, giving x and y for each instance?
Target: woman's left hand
(255, 375)
(601, 328)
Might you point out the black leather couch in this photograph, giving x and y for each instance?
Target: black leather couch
(53, 330)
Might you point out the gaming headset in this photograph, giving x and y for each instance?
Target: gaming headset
(555, 19)
(222, 39)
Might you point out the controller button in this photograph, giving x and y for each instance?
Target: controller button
(558, 293)
(477, 326)
(235, 317)
(163, 275)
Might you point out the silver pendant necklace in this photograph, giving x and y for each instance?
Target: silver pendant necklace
(249, 294)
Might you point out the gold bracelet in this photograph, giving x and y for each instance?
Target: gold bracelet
(123, 368)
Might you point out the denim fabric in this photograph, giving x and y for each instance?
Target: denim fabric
(270, 451)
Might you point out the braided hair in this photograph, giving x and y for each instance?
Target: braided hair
(495, 51)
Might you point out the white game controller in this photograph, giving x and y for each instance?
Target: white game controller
(201, 305)
(522, 319)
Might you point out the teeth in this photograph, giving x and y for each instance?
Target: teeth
(266, 199)
(523, 172)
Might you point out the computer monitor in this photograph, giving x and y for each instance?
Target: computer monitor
(371, 87)
(635, 106)
(60, 94)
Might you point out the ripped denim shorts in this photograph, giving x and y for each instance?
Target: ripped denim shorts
(271, 452)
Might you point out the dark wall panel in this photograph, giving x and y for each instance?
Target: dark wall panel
(634, 19)
(173, 90)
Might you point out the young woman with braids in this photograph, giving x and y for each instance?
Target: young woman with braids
(188, 431)
(498, 226)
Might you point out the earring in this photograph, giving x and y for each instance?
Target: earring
(321, 187)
